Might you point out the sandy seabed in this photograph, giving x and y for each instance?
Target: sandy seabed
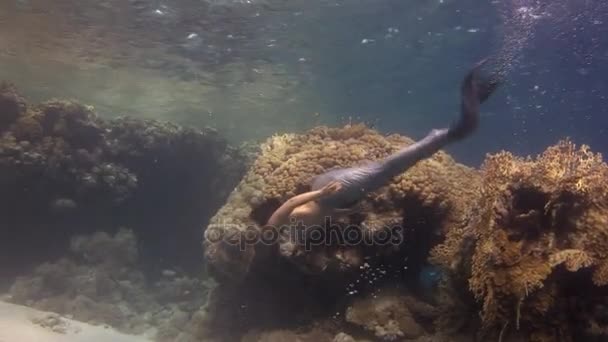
(22, 324)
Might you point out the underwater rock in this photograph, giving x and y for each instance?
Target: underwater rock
(287, 335)
(111, 252)
(540, 249)
(12, 105)
(101, 282)
(390, 315)
(65, 171)
(93, 285)
(63, 168)
(343, 337)
(53, 322)
(434, 194)
(523, 239)
(258, 279)
(376, 317)
(251, 151)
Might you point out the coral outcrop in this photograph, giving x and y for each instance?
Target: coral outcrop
(432, 195)
(100, 282)
(538, 257)
(263, 275)
(64, 169)
(391, 315)
(521, 243)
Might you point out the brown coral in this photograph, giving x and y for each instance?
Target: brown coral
(101, 282)
(390, 315)
(435, 193)
(62, 167)
(12, 105)
(432, 196)
(540, 231)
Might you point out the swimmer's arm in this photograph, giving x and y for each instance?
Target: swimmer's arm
(281, 215)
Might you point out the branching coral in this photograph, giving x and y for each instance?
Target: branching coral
(540, 231)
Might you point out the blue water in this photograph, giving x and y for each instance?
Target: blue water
(392, 63)
(407, 80)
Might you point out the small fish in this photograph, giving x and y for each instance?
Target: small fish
(63, 205)
(429, 276)
(169, 273)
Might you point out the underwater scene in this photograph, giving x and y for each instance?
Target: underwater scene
(305, 170)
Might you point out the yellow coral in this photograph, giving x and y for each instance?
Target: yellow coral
(533, 216)
(600, 276)
(573, 259)
(289, 162)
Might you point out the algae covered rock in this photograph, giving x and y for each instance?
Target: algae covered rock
(12, 105)
(64, 169)
(259, 274)
(540, 250)
(62, 148)
(521, 243)
(100, 281)
(414, 209)
(389, 315)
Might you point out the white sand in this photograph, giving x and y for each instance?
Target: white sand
(23, 324)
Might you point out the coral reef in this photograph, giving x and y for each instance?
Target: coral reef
(521, 242)
(432, 195)
(251, 151)
(315, 334)
(517, 250)
(77, 171)
(55, 147)
(391, 315)
(260, 275)
(537, 261)
(53, 322)
(101, 282)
